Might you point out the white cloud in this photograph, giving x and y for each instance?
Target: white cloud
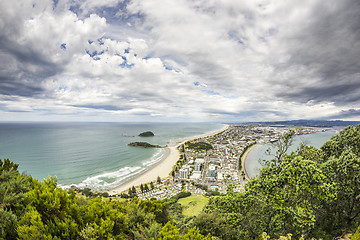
(184, 60)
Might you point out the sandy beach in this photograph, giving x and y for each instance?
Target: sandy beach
(162, 168)
(243, 161)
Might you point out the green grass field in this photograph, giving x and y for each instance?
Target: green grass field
(193, 205)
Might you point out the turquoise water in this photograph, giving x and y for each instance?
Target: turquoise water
(258, 152)
(94, 155)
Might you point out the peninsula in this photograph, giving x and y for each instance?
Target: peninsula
(144, 145)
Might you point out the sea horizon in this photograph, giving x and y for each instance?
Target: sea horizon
(90, 154)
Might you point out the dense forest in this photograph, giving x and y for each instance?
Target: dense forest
(310, 193)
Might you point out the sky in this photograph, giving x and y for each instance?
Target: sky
(179, 60)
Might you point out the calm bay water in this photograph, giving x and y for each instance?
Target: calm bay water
(258, 152)
(94, 155)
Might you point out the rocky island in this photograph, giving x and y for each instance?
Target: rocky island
(144, 145)
(147, 134)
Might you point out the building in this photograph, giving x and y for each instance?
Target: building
(184, 173)
(196, 175)
(198, 163)
(212, 171)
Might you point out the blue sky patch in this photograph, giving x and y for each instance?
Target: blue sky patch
(94, 54)
(211, 92)
(63, 46)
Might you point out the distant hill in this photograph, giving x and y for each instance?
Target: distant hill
(311, 123)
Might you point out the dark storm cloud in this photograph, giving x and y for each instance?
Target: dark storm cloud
(103, 107)
(346, 114)
(14, 87)
(339, 93)
(23, 69)
(328, 49)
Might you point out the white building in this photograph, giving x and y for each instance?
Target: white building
(196, 175)
(183, 173)
(198, 163)
(212, 170)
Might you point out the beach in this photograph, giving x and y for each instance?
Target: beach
(243, 161)
(161, 169)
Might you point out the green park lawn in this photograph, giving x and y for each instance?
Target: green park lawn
(193, 205)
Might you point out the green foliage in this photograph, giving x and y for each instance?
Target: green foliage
(105, 219)
(181, 195)
(59, 211)
(200, 146)
(348, 139)
(13, 188)
(203, 187)
(344, 211)
(311, 192)
(356, 235)
(144, 145)
(282, 145)
(171, 232)
(31, 226)
(212, 193)
(215, 224)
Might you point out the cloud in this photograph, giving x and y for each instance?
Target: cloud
(323, 54)
(32, 43)
(349, 114)
(179, 60)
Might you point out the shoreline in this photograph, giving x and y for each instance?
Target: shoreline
(162, 168)
(244, 158)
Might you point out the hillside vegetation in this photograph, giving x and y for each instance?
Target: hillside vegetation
(310, 193)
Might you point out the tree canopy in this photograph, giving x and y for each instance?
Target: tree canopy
(311, 192)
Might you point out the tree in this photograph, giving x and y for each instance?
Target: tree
(344, 211)
(145, 217)
(215, 224)
(340, 158)
(282, 146)
(151, 185)
(142, 188)
(59, 211)
(13, 188)
(169, 232)
(348, 139)
(158, 180)
(104, 219)
(284, 198)
(31, 226)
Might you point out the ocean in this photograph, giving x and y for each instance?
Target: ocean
(258, 152)
(93, 155)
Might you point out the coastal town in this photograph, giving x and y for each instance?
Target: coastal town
(215, 163)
